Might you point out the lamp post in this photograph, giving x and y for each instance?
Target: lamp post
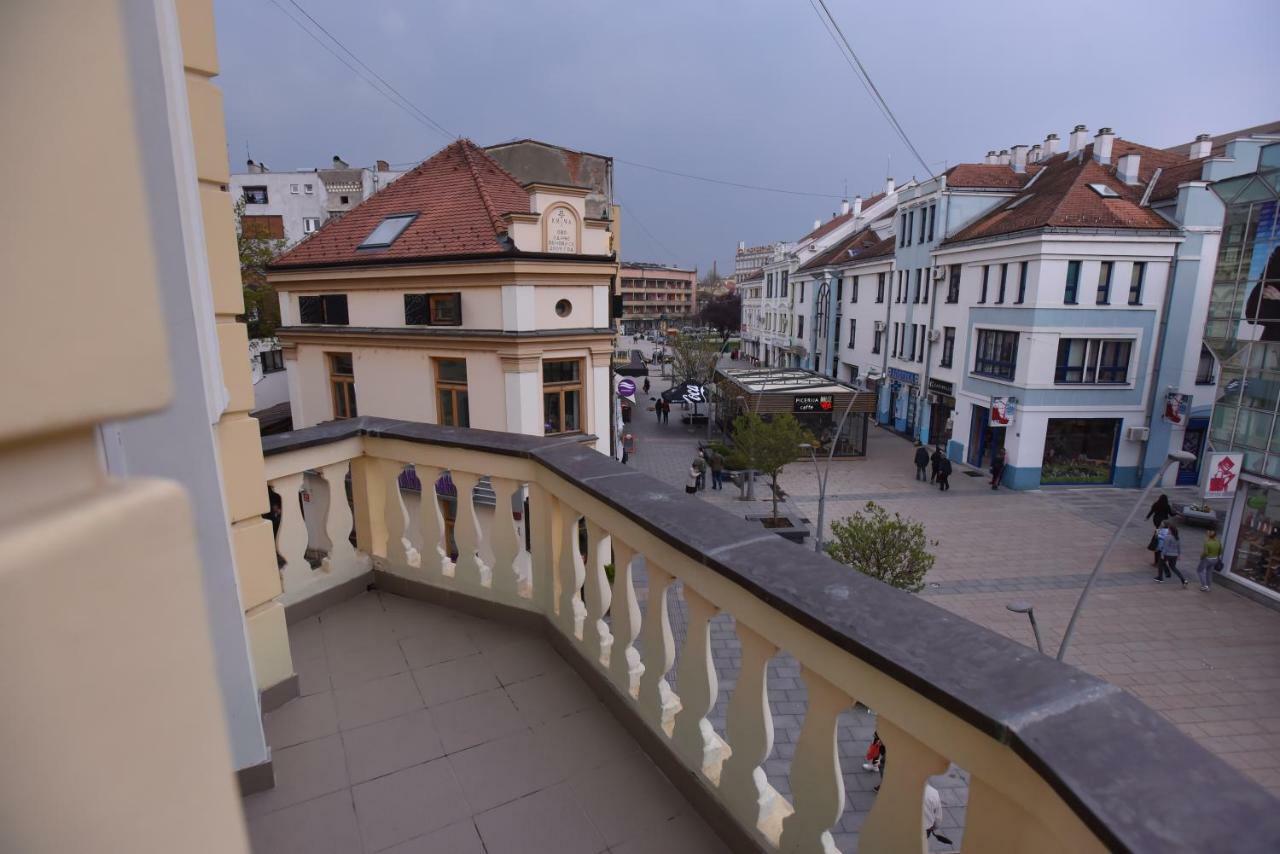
(1025, 608)
(822, 473)
(1174, 457)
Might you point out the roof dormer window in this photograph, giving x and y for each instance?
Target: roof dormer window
(387, 231)
(1104, 191)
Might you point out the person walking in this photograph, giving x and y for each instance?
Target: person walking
(657, 409)
(1160, 510)
(646, 385)
(1210, 560)
(922, 461)
(933, 809)
(716, 462)
(700, 466)
(691, 482)
(997, 468)
(1170, 549)
(935, 463)
(666, 412)
(944, 475)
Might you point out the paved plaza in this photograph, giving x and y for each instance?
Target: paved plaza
(1210, 663)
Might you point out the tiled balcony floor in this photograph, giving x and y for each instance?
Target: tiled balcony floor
(423, 730)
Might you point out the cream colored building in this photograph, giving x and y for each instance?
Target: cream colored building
(456, 296)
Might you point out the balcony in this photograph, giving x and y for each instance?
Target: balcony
(600, 618)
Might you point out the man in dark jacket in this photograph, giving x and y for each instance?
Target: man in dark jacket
(944, 474)
(934, 462)
(922, 461)
(997, 468)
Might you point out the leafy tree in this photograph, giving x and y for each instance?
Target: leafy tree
(888, 548)
(724, 313)
(257, 250)
(767, 446)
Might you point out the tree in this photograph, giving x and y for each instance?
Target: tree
(767, 446)
(888, 548)
(257, 250)
(724, 313)
(694, 358)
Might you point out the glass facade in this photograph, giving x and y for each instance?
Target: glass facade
(1256, 553)
(1079, 450)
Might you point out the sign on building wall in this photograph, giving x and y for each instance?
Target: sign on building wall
(812, 403)
(562, 231)
(1224, 475)
(627, 388)
(1003, 410)
(1177, 408)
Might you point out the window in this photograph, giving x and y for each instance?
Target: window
(924, 216)
(853, 290)
(948, 345)
(1070, 295)
(880, 287)
(310, 224)
(1092, 360)
(986, 275)
(800, 326)
(342, 383)
(309, 189)
(911, 225)
(896, 333)
(1004, 275)
(330, 309)
(933, 212)
(451, 392)
(387, 231)
(293, 188)
(875, 341)
(433, 309)
(953, 284)
(562, 396)
(255, 195)
(1104, 282)
(346, 200)
(1135, 282)
(920, 342)
(272, 361)
(768, 288)
(1104, 191)
(853, 331)
(927, 285)
(997, 354)
(902, 231)
(1205, 373)
(265, 226)
(902, 286)
(801, 292)
(1022, 283)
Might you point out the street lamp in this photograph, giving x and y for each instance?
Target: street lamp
(1175, 457)
(1025, 608)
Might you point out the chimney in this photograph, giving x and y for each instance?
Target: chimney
(857, 206)
(1201, 147)
(1034, 155)
(742, 246)
(1102, 146)
(817, 224)
(1050, 146)
(992, 159)
(1076, 141)
(339, 163)
(844, 207)
(888, 186)
(1127, 168)
(1019, 158)
(384, 166)
(1003, 157)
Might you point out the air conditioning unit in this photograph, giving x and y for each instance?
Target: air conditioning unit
(939, 273)
(1137, 434)
(879, 326)
(934, 335)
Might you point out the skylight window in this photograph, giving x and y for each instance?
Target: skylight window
(1104, 191)
(387, 231)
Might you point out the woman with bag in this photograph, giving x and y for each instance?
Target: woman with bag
(1210, 560)
(1160, 510)
(1170, 549)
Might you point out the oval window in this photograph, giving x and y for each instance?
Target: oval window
(563, 307)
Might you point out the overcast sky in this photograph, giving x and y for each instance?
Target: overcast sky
(750, 91)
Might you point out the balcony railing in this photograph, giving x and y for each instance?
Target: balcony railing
(1057, 759)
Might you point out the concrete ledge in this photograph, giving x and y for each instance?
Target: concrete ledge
(299, 611)
(278, 694)
(256, 778)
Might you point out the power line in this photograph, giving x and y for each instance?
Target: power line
(725, 183)
(646, 230)
(413, 111)
(870, 85)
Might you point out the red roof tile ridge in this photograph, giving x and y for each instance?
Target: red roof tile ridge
(494, 215)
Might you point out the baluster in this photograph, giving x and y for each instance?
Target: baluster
(544, 522)
(396, 519)
(596, 638)
(571, 575)
(896, 820)
(370, 496)
(695, 739)
(749, 728)
(816, 785)
(995, 822)
(433, 558)
(504, 541)
(624, 659)
(337, 521)
(471, 570)
(657, 701)
(291, 541)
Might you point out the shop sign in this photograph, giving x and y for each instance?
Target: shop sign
(812, 403)
(694, 393)
(1176, 407)
(1003, 410)
(627, 388)
(942, 387)
(908, 377)
(1224, 475)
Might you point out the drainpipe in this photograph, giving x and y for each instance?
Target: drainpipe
(1157, 359)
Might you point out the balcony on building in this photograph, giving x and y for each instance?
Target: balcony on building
(595, 656)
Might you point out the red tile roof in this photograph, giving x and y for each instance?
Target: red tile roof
(851, 248)
(460, 195)
(827, 227)
(988, 176)
(1061, 197)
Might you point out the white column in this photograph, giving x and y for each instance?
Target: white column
(522, 381)
(601, 399)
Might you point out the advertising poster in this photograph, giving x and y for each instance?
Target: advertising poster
(1224, 475)
(1176, 408)
(1003, 410)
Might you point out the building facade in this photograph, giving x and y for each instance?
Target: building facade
(747, 260)
(456, 297)
(655, 296)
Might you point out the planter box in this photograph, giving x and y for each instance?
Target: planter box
(790, 527)
(1199, 518)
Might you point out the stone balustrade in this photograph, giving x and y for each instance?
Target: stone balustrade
(1059, 761)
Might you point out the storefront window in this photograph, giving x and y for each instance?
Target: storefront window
(1257, 546)
(1079, 450)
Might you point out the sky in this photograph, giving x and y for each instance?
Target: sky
(746, 91)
